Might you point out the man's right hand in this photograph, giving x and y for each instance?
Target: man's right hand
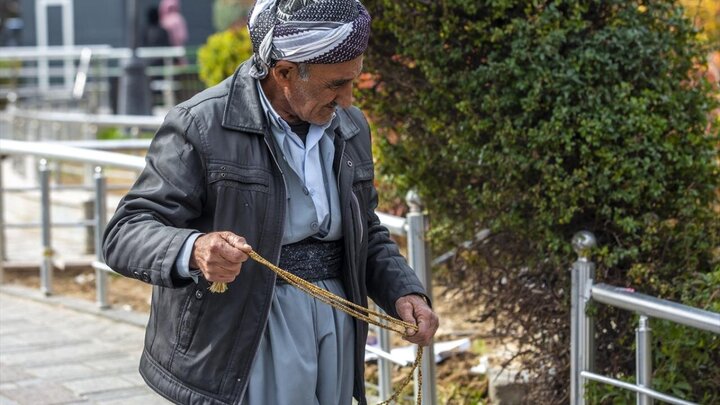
(219, 255)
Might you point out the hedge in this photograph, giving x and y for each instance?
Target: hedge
(539, 119)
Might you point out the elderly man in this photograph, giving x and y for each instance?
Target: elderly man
(276, 158)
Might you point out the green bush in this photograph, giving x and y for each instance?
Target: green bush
(539, 119)
(222, 54)
(230, 13)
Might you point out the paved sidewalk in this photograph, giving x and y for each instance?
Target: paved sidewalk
(53, 355)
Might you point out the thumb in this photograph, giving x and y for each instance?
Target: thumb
(238, 242)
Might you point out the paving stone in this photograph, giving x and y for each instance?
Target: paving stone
(85, 386)
(112, 395)
(145, 399)
(21, 345)
(6, 401)
(64, 372)
(49, 394)
(32, 382)
(12, 374)
(57, 355)
(134, 379)
(119, 364)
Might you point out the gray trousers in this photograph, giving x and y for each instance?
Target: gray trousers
(305, 356)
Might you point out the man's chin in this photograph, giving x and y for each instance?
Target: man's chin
(324, 120)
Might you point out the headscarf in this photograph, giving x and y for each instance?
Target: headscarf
(306, 31)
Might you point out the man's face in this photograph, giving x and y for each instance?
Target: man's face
(329, 85)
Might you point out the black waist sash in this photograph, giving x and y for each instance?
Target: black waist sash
(312, 259)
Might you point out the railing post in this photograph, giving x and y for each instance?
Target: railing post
(384, 366)
(3, 236)
(47, 253)
(100, 218)
(418, 253)
(582, 341)
(643, 359)
(169, 85)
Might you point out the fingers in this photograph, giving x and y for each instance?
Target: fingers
(427, 326)
(413, 309)
(220, 255)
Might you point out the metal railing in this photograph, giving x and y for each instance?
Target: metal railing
(582, 345)
(412, 227)
(33, 72)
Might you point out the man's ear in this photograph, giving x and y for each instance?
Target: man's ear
(284, 72)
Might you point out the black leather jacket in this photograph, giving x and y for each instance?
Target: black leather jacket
(211, 167)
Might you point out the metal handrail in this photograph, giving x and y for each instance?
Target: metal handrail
(656, 307)
(30, 53)
(68, 153)
(100, 120)
(50, 52)
(110, 144)
(634, 388)
(396, 225)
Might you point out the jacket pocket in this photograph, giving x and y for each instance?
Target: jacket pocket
(363, 186)
(189, 319)
(239, 177)
(238, 197)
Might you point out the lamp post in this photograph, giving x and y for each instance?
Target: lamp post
(134, 95)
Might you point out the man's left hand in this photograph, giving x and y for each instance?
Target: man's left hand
(413, 309)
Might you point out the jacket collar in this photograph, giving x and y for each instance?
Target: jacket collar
(243, 111)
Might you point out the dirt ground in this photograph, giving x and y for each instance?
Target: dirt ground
(456, 385)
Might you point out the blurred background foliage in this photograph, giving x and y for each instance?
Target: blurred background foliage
(230, 46)
(705, 15)
(230, 14)
(222, 53)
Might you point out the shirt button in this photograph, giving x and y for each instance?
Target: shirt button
(198, 294)
(314, 225)
(306, 191)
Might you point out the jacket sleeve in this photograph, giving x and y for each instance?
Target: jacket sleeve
(388, 275)
(150, 226)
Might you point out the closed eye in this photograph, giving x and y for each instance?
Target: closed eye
(336, 84)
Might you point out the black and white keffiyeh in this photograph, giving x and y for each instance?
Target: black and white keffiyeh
(306, 31)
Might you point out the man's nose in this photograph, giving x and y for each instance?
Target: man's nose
(345, 96)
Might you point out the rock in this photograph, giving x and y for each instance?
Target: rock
(506, 387)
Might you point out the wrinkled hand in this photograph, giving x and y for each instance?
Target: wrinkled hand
(219, 255)
(413, 309)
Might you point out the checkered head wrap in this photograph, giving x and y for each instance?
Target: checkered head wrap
(306, 31)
